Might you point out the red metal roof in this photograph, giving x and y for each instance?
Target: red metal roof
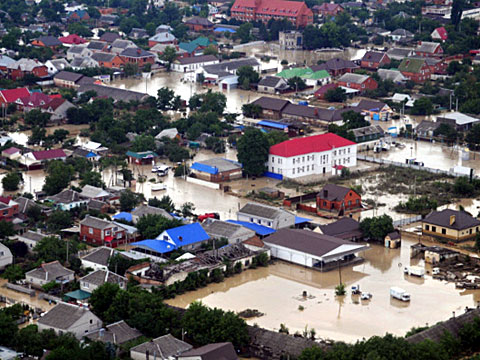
(11, 95)
(272, 7)
(309, 144)
(49, 154)
(11, 150)
(72, 39)
(54, 103)
(5, 200)
(35, 100)
(442, 32)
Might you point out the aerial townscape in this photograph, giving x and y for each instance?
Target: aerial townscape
(240, 179)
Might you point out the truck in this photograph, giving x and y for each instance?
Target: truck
(399, 294)
(414, 270)
(161, 169)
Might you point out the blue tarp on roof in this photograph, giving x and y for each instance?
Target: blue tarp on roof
(91, 154)
(224, 29)
(273, 124)
(123, 216)
(187, 234)
(158, 246)
(301, 220)
(204, 168)
(259, 229)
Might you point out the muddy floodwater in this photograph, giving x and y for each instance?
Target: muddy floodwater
(277, 290)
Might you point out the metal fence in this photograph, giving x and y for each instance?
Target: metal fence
(406, 221)
(411, 166)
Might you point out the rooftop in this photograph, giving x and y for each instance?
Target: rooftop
(166, 345)
(63, 316)
(309, 144)
(461, 219)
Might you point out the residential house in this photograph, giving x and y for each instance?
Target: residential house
(57, 108)
(224, 73)
(310, 249)
(272, 85)
(137, 33)
(322, 90)
(10, 96)
(267, 216)
(414, 69)
(271, 107)
(234, 233)
(67, 79)
(23, 67)
(159, 49)
(102, 232)
(373, 60)
(428, 49)
(97, 258)
(114, 93)
(262, 10)
(336, 66)
(142, 157)
(357, 82)
(392, 75)
(458, 120)
(96, 46)
(68, 199)
(36, 159)
(327, 9)
(25, 204)
(81, 63)
(49, 272)
(198, 23)
(8, 209)
(193, 63)
(224, 351)
(311, 155)
(78, 51)
(4, 62)
(117, 334)
(71, 40)
(217, 170)
(30, 238)
(78, 15)
(68, 318)
(344, 228)
(171, 133)
(97, 278)
(165, 38)
(399, 53)
(375, 110)
(56, 65)
(426, 129)
(110, 37)
(439, 34)
(137, 56)
(47, 42)
(451, 225)
(436, 65)
(401, 35)
(108, 60)
(93, 192)
(143, 210)
(6, 257)
(34, 101)
(167, 347)
(120, 45)
(290, 40)
(11, 153)
(186, 237)
(311, 78)
(368, 133)
(338, 199)
(190, 49)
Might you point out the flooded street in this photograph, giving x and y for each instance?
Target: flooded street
(22, 298)
(276, 291)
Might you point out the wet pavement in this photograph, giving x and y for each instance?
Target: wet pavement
(276, 291)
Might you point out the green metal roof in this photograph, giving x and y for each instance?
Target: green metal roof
(204, 41)
(142, 155)
(411, 65)
(188, 47)
(321, 74)
(78, 295)
(290, 73)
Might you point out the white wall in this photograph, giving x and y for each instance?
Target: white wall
(290, 255)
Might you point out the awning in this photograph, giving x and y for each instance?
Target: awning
(123, 216)
(301, 220)
(108, 238)
(259, 229)
(78, 295)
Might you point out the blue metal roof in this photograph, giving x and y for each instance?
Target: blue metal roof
(158, 246)
(187, 234)
(301, 220)
(259, 229)
(273, 124)
(123, 216)
(224, 29)
(204, 168)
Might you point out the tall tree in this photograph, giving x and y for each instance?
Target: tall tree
(253, 149)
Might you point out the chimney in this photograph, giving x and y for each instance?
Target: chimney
(452, 220)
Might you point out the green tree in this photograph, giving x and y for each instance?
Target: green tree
(473, 137)
(422, 106)
(210, 50)
(59, 135)
(37, 136)
(29, 341)
(59, 176)
(152, 225)
(165, 203)
(166, 99)
(169, 56)
(92, 178)
(448, 132)
(129, 199)
(253, 149)
(336, 95)
(463, 187)
(244, 32)
(13, 273)
(102, 297)
(275, 137)
(246, 76)
(456, 12)
(6, 229)
(210, 101)
(187, 209)
(36, 117)
(52, 248)
(58, 220)
(377, 228)
(144, 143)
(215, 144)
(8, 329)
(11, 181)
(252, 110)
(297, 83)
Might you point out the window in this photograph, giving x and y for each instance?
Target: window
(251, 219)
(107, 232)
(313, 157)
(273, 160)
(259, 221)
(91, 321)
(293, 161)
(90, 230)
(313, 167)
(444, 231)
(293, 171)
(434, 228)
(269, 223)
(303, 158)
(86, 284)
(308, 167)
(350, 203)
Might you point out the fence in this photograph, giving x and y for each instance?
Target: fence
(407, 221)
(410, 166)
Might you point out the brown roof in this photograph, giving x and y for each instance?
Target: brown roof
(332, 192)
(254, 241)
(373, 56)
(268, 103)
(342, 227)
(394, 235)
(463, 220)
(218, 351)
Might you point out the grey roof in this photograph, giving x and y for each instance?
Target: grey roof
(399, 53)
(427, 47)
(116, 333)
(66, 197)
(163, 37)
(394, 235)
(68, 76)
(49, 41)
(93, 191)
(24, 204)
(261, 210)
(103, 56)
(218, 351)
(463, 220)
(95, 204)
(342, 228)
(333, 192)
(63, 316)
(393, 75)
(353, 78)
(143, 210)
(76, 49)
(427, 126)
(170, 133)
(270, 81)
(135, 53)
(402, 32)
(366, 104)
(50, 272)
(306, 241)
(271, 103)
(33, 235)
(99, 255)
(459, 118)
(101, 277)
(231, 65)
(122, 44)
(167, 345)
(96, 45)
(224, 229)
(197, 59)
(221, 164)
(110, 37)
(112, 92)
(368, 130)
(373, 56)
(197, 20)
(96, 223)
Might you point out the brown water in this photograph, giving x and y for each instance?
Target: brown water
(19, 297)
(276, 291)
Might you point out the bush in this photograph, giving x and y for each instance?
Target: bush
(11, 181)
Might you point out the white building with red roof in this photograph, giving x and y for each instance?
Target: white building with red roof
(440, 34)
(9, 96)
(311, 155)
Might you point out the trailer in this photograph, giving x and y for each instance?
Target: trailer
(414, 271)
